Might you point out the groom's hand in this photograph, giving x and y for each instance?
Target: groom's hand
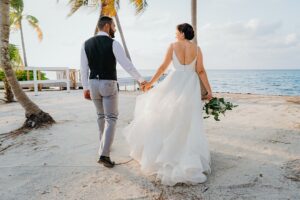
(142, 85)
(86, 94)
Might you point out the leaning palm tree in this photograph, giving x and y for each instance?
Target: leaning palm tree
(16, 17)
(110, 8)
(35, 117)
(194, 24)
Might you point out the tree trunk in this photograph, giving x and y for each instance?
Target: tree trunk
(35, 117)
(24, 50)
(8, 94)
(122, 36)
(194, 19)
(96, 30)
(194, 24)
(23, 44)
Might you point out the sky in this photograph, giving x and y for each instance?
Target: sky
(232, 34)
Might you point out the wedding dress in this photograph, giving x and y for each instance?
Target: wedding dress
(166, 136)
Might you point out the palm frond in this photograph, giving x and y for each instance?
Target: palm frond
(17, 5)
(75, 5)
(32, 19)
(14, 20)
(34, 22)
(108, 8)
(140, 5)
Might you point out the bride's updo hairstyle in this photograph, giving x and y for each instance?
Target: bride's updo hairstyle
(187, 29)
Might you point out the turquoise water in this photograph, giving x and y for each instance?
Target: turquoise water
(269, 82)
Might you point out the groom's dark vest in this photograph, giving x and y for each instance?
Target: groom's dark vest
(101, 59)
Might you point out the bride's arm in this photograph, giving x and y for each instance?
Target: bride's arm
(163, 66)
(202, 73)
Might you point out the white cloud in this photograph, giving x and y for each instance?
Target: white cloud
(253, 27)
(257, 27)
(253, 33)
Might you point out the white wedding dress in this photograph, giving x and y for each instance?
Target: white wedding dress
(166, 135)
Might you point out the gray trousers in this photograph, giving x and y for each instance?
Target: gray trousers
(104, 94)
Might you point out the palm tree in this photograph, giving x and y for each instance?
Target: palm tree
(109, 8)
(35, 117)
(16, 17)
(194, 24)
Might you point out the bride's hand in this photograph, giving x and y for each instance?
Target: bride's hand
(209, 96)
(147, 87)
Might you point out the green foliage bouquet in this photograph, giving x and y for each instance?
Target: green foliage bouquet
(217, 106)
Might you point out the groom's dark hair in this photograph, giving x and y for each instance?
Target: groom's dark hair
(103, 21)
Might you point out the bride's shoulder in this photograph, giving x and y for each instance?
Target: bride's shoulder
(193, 45)
(175, 43)
(171, 46)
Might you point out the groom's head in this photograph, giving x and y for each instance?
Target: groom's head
(107, 25)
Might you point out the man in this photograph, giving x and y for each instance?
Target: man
(99, 56)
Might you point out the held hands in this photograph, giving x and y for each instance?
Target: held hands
(148, 86)
(145, 86)
(142, 85)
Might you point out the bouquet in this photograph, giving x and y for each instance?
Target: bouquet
(217, 106)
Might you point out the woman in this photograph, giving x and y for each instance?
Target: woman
(166, 135)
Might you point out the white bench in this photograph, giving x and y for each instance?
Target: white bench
(35, 81)
(62, 80)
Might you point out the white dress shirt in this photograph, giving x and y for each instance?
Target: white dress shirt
(121, 58)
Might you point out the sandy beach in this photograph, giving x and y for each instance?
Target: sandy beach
(255, 153)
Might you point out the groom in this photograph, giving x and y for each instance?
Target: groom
(99, 56)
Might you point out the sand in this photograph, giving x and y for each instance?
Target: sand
(255, 153)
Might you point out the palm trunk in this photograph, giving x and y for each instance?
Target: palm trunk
(23, 44)
(8, 94)
(194, 24)
(194, 19)
(122, 36)
(35, 117)
(24, 50)
(96, 30)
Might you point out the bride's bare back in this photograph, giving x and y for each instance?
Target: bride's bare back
(185, 51)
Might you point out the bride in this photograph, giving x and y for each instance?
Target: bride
(166, 136)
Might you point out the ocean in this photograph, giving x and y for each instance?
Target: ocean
(267, 82)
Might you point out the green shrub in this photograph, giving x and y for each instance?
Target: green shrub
(22, 75)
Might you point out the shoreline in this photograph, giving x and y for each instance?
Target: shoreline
(137, 91)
